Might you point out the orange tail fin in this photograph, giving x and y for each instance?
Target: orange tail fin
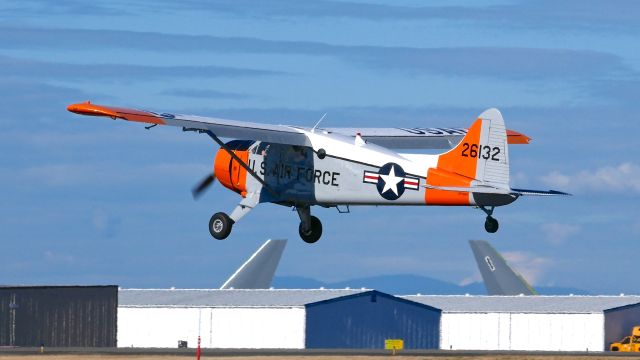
(480, 159)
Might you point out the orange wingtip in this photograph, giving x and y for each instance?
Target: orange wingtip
(87, 108)
(514, 137)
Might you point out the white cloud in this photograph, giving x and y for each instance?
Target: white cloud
(530, 266)
(557, 233)
(476, 277)
(621, 178)
(519, 179)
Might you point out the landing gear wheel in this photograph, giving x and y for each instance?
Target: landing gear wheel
(220, 225)
(491, 225)
(314, 232)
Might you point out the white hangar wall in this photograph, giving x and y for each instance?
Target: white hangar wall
(522, 331)
(544, 323)
(560, 332)
(240, 328)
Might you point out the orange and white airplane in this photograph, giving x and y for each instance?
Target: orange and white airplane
(337, 167)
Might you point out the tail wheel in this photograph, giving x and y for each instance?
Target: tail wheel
(491, 225)
(220, 225)
(313, 233)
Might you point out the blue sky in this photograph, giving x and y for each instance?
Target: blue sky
(89, 200)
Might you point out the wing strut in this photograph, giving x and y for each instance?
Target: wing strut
(235, 157)
(242, 163)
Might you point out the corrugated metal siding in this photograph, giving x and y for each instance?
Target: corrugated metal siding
(231, 328)
(489, 331)
(364, 321)
(518, 331)
(619, 322)
(58, 316)
(557, 332)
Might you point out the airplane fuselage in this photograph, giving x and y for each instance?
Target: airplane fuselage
(339, 170)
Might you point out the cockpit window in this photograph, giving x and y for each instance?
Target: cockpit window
(262, 148)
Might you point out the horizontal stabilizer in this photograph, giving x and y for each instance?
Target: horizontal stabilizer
(520, 192)
(488, 189)
(485, 189)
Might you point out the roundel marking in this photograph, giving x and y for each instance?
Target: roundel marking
(391, 181)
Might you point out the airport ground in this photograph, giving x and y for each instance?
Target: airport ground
(314, 357)
(189, 354)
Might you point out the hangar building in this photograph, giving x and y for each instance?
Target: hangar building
(283, 319)
(547, 323)
(297, 319)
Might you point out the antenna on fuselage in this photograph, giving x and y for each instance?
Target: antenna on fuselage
(313, 129)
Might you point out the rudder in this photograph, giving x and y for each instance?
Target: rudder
(479, 160)
(482, 154)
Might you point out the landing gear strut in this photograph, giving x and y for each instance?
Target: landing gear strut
(490, 224)
(221, 224)
(310, 228)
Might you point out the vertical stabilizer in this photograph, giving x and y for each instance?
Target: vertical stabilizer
(498, 277)
(482, 155)
(480, 161)
(258, 271)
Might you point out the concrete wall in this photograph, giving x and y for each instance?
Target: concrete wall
(518, 331)
(278, 328)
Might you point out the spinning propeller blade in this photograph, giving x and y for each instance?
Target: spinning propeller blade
(198, 190)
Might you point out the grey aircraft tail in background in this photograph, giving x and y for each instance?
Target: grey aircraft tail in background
(498, 277)
(258, 271)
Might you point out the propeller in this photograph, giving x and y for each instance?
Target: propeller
(199, 189)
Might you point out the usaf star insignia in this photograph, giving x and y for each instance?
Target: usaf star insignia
(391, 181)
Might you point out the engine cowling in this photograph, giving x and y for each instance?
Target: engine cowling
(228, 171)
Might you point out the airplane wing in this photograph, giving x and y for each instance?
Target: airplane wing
(498, 277)
(395, 138)
(258, 271)
(221, 127)
(419, 138)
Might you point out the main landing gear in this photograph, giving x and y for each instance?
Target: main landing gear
(221, 224)
(310, 228)
(490, 224)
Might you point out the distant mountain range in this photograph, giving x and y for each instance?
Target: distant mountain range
(406, 284)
